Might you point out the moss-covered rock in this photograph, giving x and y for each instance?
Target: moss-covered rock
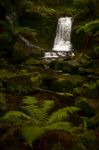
(84, 60)
(85, 106)
(86, 71)
(32, 62)
(3, 103)
(19, 85)
(63, 83)
(89, 90)
(69, 66)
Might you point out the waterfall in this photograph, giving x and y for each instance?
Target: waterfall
(63, 35)
(62, 43)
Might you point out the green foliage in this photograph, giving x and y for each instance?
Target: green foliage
(15, 30)
(86, 139)
(31, 133)
(94, 121)
(63, 114)
(14, 117)
(10, 37)
(58, 146)
(85, 106)
(39, 113)
(37, 120)
(20, 90)
(96, 50)
(91, 28)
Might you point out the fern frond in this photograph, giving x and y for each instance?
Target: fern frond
(31, 133)
(45, 108)
(63, 114)
(73, 109)
(15, 117)
(39, 113)
(64, 126)
(31, 106)
(47, 105)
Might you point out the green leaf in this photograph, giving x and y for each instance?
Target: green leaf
(15, 116)
(31, 133)
(64, 126)
(63, 114)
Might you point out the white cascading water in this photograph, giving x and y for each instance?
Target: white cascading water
(62, 44)
(63, 35)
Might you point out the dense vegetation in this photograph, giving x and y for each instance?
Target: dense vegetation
(48, 105)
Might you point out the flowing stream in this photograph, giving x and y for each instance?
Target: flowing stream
(62, 43)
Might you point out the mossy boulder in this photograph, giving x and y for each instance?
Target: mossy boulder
(88, 90)
(36, 80)
(63, 83)
(73, 65)
(3, 103)
(19, 85)
(23, 84)
(67, 66)
(86, 71)
(84, 60)
(32, 62)
(85, 105)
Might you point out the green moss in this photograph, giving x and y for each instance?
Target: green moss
(85, 106)
(66, 83)
(88, 90)
(3, 103)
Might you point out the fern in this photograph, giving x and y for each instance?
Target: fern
(15, 117)
(20, 90)
(65, 126)
(31, 133)
(90, 28)
(39, 113)
(31, 107)
(35, 120)
(63, 114)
